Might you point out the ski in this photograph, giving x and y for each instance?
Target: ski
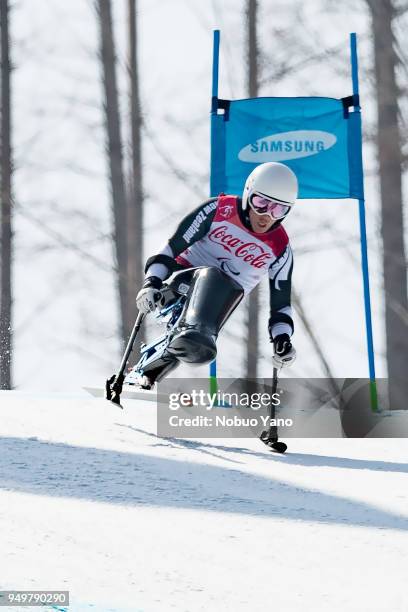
(137, 393)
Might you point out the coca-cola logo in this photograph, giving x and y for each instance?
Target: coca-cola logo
(251, 252)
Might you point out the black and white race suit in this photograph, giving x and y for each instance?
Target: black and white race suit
(218, 234)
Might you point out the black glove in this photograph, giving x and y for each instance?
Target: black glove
(285, 353)
(153, 281)
(282, 345)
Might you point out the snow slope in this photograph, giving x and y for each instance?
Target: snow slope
(91, 500)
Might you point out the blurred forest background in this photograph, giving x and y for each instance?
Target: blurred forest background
(105, 116)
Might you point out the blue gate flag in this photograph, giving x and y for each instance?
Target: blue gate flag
(319, 138)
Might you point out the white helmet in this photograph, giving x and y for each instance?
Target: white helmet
(273, 180)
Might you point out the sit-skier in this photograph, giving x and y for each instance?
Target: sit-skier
(234, 242)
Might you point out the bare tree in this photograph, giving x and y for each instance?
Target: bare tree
(252, 348)
(115, 154)
(6, 205)
(135, 196)
(390, 160)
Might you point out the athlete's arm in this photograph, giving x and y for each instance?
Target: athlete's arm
(280, 284)
(192, 228)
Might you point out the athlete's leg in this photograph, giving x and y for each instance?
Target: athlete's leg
(211, 299)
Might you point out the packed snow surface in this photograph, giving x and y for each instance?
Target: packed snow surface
(93, 502)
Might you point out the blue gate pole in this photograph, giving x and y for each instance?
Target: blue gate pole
(363, 238)
(214, 108)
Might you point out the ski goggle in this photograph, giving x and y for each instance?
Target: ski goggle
(267, 206)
